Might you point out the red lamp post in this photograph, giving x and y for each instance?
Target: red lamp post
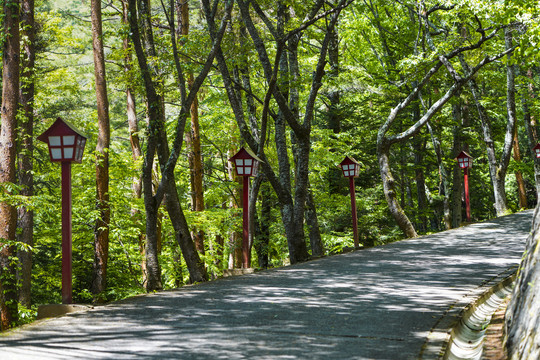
(465, 162)
(66, 145)
(351, 169)
(537, 150)
(246, 164)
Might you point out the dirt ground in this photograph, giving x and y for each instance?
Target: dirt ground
(493, 345)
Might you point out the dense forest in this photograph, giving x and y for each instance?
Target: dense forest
(168, 91)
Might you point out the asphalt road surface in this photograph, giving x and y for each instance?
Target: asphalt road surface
(390, 302)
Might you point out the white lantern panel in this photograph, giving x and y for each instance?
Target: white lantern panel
(248, 162)
(56, 153)
(240, 169)
(69, 140)
(347, 173)
(68, 153)
(248, 171)
(345, 167)
(54, 141)
(239, 162)
(78, 154)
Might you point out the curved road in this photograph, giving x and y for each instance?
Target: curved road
(390, 302)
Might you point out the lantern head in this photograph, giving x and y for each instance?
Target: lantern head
(464, 160)
(537, 150)
(65, 142)
(245, 162)
(350, 167)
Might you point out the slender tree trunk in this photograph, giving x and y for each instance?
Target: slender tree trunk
(511, 135)
(292, 210)
(157, 142)
(315, 240)
(193, 140)
(419, 145)
(101, 232)
(26, 178)
(262, 243)
(8, 136)
(335, 176)
(197, 271)
(133, 126)
(522, 192)
(530, 126)
(498, 169)
(390, 193)
(193, 145)
(154, 122)
(252, 208)
(444, 187)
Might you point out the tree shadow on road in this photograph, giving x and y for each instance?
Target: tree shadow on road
(379, 303)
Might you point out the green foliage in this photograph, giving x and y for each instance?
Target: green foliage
(380, 58)
(26, 315)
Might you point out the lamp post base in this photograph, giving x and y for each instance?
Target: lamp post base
(237, 272)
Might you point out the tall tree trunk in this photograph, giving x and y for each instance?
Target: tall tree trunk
(26, 178)
(133, 126)
(262, 243)
(498, 169)
(157, 142)
(335, 176)
(315, 240)
(419, 145)
(511, 131)
(292, 210)
(193, 146)
(154, 107)
(444, 187)
(388, 181)
(101, 232)
(193, 140)
(530, 126)
(8, 136)
(197, 271)
(252, 209)
(522, 192)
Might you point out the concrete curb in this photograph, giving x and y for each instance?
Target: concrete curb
(467, 338)
(459, 333)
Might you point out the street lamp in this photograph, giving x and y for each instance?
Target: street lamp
(66, 145)
(351, 169)
(465, 162)
(246, 164)
(537, 150)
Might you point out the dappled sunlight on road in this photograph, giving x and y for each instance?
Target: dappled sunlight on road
(369, 304)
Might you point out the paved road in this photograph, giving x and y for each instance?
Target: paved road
(392, 302)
